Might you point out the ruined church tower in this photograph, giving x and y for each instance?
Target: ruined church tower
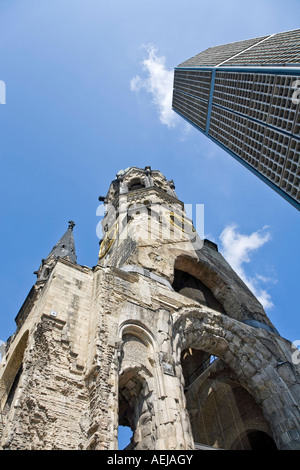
(161, 336)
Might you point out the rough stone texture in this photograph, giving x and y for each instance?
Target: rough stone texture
(117, 344)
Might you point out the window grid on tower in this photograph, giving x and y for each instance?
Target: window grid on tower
(228, 128)
(262, 90)
(192, 108)
(194, 82)
(283, 111)
(273, 156)
(233, 91)
(290, 180)
(253, 142)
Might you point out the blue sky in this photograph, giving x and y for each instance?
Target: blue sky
(87, 94)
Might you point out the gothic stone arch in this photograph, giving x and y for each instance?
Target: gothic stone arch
(243, 349)
(223, 412)
(226, 286)
(136, 389)
(152, 389)
(11, 371)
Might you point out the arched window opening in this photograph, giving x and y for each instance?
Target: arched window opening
(133, 411)
(11, 377)
(136, 183)
(220, 408)
(46, 272)
(136, 397)
(186, 284)
(14, 387)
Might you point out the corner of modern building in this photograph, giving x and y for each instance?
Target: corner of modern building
(245, 97)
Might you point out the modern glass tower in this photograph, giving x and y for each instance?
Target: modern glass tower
(245, 96)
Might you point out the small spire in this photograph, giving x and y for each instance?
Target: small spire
(65, 247)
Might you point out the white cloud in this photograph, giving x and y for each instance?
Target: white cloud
(158, 81)
(237, 250)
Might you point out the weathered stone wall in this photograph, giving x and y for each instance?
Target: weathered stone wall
(45, 411)
(78, 360)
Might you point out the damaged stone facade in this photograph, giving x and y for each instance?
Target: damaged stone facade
(161, 336)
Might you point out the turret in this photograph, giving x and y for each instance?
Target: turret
(143, 214)
(65, 248)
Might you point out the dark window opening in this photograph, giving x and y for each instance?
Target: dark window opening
(255, 440)
(46, 273)
(136, 184)
(14, 387)
(188, 285)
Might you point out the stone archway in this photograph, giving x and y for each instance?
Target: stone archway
(228, 289)
(136, 397)
(241, 348)
(13, 369)
(150, 389)
(222, 411)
